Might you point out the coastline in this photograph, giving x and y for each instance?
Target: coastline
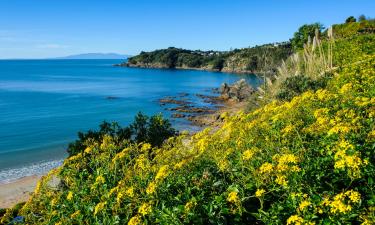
(17, 191)
(19, 188)
(240, 72)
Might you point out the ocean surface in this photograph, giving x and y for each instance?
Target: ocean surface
(44, 103)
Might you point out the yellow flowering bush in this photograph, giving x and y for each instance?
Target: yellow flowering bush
(309, 160)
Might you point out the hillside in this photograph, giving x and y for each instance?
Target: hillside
(307, 160)
(262, 58)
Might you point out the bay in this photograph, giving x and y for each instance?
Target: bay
(44, 103)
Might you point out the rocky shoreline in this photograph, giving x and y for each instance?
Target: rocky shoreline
(161, 66)
(227, 98)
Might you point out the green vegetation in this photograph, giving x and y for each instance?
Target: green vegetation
(175, 57)
(303, 34)
(351, 19)
(257, 59)
(153, 130)
(296, 85)
(264, 59)
(305, 158)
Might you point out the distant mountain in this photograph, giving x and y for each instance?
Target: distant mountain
(95, 56)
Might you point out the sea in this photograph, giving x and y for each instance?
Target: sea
(44, 103)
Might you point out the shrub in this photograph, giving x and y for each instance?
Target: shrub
(305, 161)
(153, 130)
(296, 85)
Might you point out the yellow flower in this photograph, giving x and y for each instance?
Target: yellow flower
(141, 163)
(287, 129)
(259, 193)
(281, 180)
(288, 158)
(100, 180)
(223, 164)
(107, 142)
(135, 220)
(54, 202)
(113, 190)
(295, 219)
(146, 147)
(337, 204)
(130, 192)
(162, 173)
(304, 204)
(75, 214)
(119, 155)
(88, 150)
(266, 168)
(145, 209)
(246, 155)
(151, 188)
(38, 187)
(99, 207)
(233, 197)
(69, 197)
(180, 164)
(189, 205)
(345, 88)
(350, 162)
(119, 197)
(354, 196)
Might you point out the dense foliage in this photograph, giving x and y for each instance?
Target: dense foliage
(255, 59)
(304, 33)
(258, 59)
(176, 57)
(153, 130)
(309, 160)
(296, 85)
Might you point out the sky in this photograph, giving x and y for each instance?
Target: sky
(51, 28)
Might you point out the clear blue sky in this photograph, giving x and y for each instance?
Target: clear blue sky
(47, 28)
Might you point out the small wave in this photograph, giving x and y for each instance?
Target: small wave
(9, 175)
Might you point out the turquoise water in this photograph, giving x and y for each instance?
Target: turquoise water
(44, 103)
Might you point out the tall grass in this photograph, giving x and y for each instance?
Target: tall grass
(315, 60)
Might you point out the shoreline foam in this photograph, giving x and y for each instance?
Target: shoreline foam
(13, 174)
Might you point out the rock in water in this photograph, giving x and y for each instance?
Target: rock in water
(239, 91)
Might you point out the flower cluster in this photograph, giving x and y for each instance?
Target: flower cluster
(305, 161)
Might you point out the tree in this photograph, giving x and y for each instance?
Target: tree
(218, 63)
(253, 63)
(304, 32)
(158, 130)
(350, 19)
(139, 127)
(362, 18)
(153, 130)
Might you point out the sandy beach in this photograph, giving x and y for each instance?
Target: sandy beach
(17, 191)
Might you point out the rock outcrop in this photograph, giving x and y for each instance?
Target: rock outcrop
(239, 91)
